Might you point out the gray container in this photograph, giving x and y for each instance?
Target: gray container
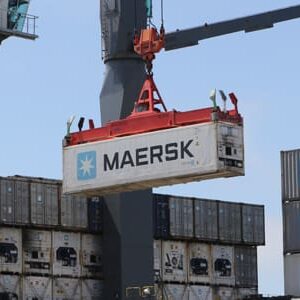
(246, 267)
(10, 250)
(206, 219)
(35, 287)
(92, 257)
(223, 293)
(66, 288)
(290, 175)
(10, 287)
(74, 211)
(176, 292)
(198, 292)
(291, 227)
(7, 197)
(242, 293)
(157, 259)
(292, 275)
(22, 202)
(44, 203)
(37, 252)
(66, 254)
(230, 222)
(92, 289)
(253, 224)
(181, 217)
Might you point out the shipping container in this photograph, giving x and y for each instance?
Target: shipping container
(10, 250)
(66, 254)
(161, 216)
(291, 227)
(206, 219)
(157, 259)
(245, 266)
(92, 257)
(37, 288)
(253, 224)
(92, 289)
(181, 217)
(44, 203)
(243, 293)
(175, 291)
(37, 252)
(223, 265)
(95, 214)
(7, 199)
(292, 275)
(22, 202)
(230, 222)
(199, 263)
(73, 211)
(290, 175)
(174, 261)
(172, 156)
(223, 293)
(198, 292)
(10, 287)
(66, 289)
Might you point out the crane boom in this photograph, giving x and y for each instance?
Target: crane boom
(191, 37)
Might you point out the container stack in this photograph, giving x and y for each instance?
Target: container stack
(50, 244)
(206, 249)
(290, 183)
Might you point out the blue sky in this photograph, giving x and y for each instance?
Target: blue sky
(60, 74)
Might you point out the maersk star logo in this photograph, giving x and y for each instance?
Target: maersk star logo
(86, 165)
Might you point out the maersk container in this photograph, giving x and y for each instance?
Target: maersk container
(35, 287)
(290, 175)
(174, 261)
(181, 217)
(10, 250)
(92, 255)
(95, 214)
(175, 291)
(7, 197)
(73, 211)
(66, 254)
(223, 293)
(206, 219)
(244, 293)
(44, 203)
(199, 263)
(10, 287)
(37, 252)
(161, 216)
(230, 222)
(223, 265)
(198, 292)
(92, 289)
(66, 288)
(157, 259)
(253, 224)
(165, 157)
(245, 266)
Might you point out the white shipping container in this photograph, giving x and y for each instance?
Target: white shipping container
(92, 289)
(175, 292)
(183, 154)
(37, 251)
(199, 263)
(174, 261)
(198, 292)
(10, 287)
(66, 288)
(92, 260)
(223, 265)
(10, 250)
(35, 287)
(66, 253)
(223, 293)
(157, 259)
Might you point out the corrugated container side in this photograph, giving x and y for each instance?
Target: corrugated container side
(10, 250)
(35, 287)
(157, 259)
(206, 219)
(92, 255)
(291, 227)
(223, 265)
(92, 289)
(174, 261)
(95, 214)
(230, 222)
(198, 292)
(10, 287)
(66, 288)
(199, 263)
(223, 293)
(7, 196)
(292, 275)
(176, 291)
(21, 202)
(290, 175)
(246, 266)
(37, 252)
(161, 216)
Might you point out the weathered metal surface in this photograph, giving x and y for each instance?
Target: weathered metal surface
(161, 216)
(197, 292)
(35, 287)
(292, 275)
(66, 288)
(92, 289)
(10, 287)
(157, 244)
(95, 214)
